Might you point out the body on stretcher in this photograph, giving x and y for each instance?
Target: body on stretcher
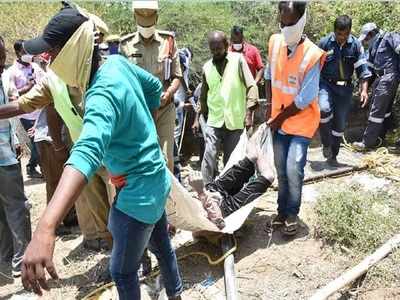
(186, 212)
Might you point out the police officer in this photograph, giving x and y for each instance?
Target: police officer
(344, 55)
(383, 57)
(156, 52)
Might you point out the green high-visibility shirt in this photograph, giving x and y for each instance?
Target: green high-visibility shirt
(226, 98)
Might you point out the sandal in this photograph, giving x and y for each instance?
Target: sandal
(278, 220)
(291, 226)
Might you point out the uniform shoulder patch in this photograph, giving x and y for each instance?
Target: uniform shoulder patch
(128, 37)
(165, 32)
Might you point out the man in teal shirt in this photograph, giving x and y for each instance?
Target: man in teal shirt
(119, 132)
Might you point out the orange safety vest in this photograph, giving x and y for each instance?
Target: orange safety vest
(287, 75)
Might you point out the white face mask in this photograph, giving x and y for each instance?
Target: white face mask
(292, 34)
(237, 47)
(27, 58)
(146, 32)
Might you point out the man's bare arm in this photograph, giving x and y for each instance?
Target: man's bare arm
(10, 110)
(39, 253)
(259, 75)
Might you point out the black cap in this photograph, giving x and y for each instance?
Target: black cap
(57, 32)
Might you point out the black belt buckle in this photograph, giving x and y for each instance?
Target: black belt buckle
(339, 82)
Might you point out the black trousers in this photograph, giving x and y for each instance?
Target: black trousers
(235, 188)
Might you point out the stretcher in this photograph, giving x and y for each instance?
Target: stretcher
(186, 212)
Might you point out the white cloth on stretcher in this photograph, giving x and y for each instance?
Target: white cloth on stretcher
(187, 213)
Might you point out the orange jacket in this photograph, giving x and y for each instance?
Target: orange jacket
(287, 75)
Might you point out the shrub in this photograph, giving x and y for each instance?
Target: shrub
(355, 218)
(192, 20)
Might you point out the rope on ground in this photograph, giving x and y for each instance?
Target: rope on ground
(209, 259)
(94, 295)
(383, 162)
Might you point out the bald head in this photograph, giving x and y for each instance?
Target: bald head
(217, 36)
(218, 43)
(2, 55)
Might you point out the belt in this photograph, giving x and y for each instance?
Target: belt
(380, 73)
(119, 181)
(339, 82)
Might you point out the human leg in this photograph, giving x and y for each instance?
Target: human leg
(16, 213)
(130, 239)
(165, 124)
(6, 240)
(160, 245)
(230, 140)
(281, 148)
(296, 161)
(34, 159)
(209, 165)
(92, 209)
(341, 108)
(327, 114)
(383, 96)
(232, 181)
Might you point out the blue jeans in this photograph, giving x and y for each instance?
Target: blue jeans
(130, 238)
(290, 154)
(335, 104)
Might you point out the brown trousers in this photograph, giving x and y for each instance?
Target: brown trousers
(52, 169)
(165, 124)
(94, 205)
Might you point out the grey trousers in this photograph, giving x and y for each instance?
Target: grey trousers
(15, 224)
(214, 139)
(384, 92)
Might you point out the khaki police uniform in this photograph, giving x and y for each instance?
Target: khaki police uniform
(151, 56)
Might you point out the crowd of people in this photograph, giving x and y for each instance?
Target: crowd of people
(105, 117)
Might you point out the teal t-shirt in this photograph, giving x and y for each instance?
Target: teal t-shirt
(119, 132)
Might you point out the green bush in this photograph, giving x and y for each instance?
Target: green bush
(192, 20)
(355, 218)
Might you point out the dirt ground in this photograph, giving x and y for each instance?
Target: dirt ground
(268, 266)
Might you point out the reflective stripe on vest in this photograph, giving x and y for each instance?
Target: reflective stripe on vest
(287, 75)
(226, 98)
(64, 106)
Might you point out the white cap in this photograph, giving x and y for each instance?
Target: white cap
(367, 28)
(145, 4)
